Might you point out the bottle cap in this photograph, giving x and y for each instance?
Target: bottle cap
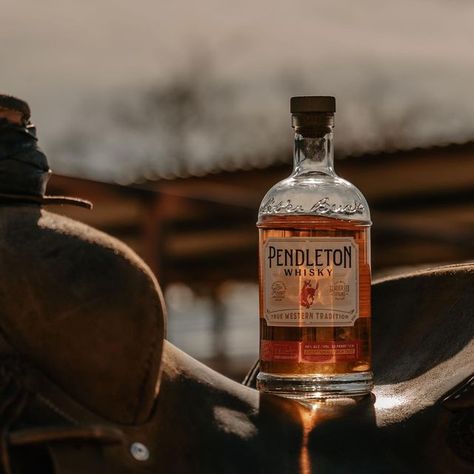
(17, 105)
(312, 104)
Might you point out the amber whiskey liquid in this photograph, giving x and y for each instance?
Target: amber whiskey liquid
(339, 350)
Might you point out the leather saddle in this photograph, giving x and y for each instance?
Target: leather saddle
(87, 383)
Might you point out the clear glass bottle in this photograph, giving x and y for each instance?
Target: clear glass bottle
(314, 268)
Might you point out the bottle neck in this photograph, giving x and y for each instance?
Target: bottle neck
(313, 153)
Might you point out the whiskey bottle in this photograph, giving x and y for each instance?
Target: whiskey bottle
(314, 267)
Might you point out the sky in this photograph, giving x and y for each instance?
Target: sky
(402, 73)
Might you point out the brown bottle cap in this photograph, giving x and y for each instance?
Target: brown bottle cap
(312, 104)
(10, 103)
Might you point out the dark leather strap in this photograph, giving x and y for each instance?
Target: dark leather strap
(460, 437)
(24, 168)
(250, 379)
(48, 434)
(460, 397)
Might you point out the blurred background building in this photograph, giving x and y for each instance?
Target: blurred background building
(173, 119)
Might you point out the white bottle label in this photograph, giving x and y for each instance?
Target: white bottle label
(311, 281)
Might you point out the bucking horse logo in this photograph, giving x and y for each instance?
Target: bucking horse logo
(307, 294)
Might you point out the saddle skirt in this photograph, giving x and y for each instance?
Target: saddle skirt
(83, 309)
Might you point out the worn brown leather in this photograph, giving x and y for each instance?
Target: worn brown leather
(85, 373)
(84, 308)
(72, 296)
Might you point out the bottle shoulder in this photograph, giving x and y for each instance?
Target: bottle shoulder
(317, 194)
